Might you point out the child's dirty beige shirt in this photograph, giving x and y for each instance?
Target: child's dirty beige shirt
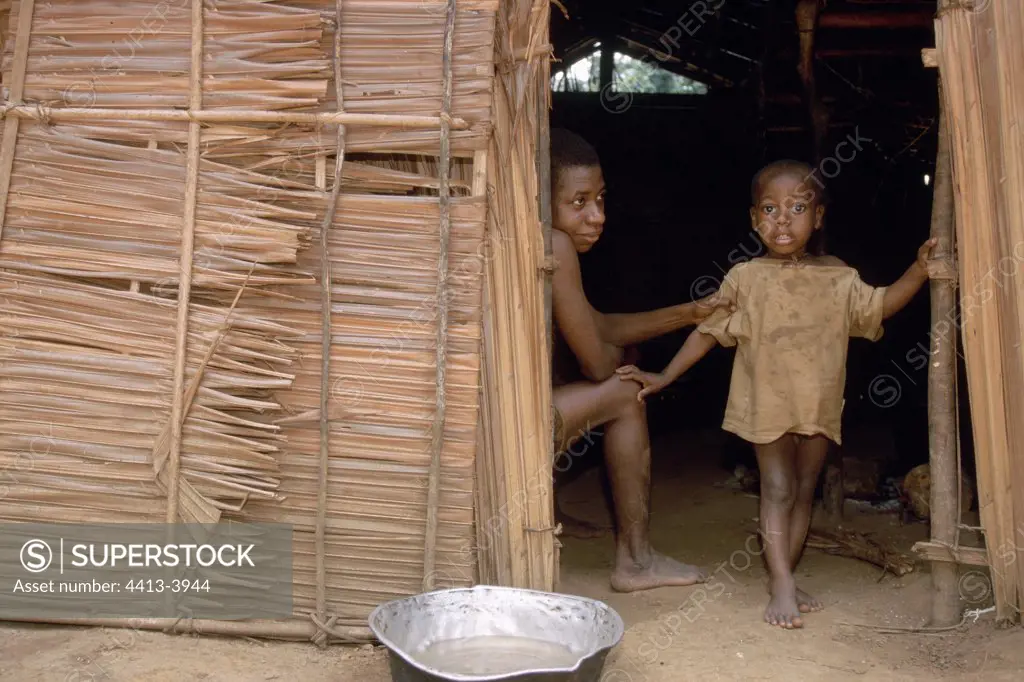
(791, 330)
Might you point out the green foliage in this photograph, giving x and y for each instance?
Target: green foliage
(629, 75)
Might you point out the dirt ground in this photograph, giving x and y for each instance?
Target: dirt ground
(713, 632)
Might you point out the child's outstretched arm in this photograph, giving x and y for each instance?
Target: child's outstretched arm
(695, 347)
(898, 294)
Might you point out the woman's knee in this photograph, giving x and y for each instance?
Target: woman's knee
(623, 397)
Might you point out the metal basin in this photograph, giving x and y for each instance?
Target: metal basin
(580, 631)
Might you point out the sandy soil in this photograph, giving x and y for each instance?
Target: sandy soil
(712, 632)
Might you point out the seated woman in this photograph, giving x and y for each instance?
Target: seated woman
(588, 349)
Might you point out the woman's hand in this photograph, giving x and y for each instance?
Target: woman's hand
(702, 308)
(651, 382)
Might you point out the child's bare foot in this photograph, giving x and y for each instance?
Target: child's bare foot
(661, 572)
(806, 603)
(782, 609)
(577, 528)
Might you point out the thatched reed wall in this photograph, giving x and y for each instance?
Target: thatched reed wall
(167, 190)
(981, 61)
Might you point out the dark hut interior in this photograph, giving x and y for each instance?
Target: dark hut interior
(684, 102)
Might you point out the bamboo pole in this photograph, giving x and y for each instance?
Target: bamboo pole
(285, 630)
(17, 89)
(14, 110)
(967, 68)
(188, 230)
(486, 569)
(444, 201)
(544, 203)
(941, 396)
(544, 211)
(880, 19)
(1007, 24)
(325, 341)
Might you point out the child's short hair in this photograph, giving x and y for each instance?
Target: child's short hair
(811, 184)
(802, 169)
(569, 150)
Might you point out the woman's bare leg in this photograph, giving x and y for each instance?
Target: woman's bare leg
(777, 464)
(572, 526)
(613, 403)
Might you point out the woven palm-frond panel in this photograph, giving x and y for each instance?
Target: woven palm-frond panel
(384, 326)
(97, 216)
(85, 390)
(135, 53)
(92, 208)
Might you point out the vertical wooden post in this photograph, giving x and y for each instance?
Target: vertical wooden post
(188, 233)
(444, 203)
(320, 531)
(807, 12)
(942, 425)
(832, 489)
(544, 205)
(22, 40)
(607, 62)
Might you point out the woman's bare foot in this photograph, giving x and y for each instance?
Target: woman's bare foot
(782, 609)
(661, 572)
(577, 528)
(806, 603)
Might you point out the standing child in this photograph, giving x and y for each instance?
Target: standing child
(795, 311)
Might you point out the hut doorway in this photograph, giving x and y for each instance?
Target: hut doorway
(684, 104)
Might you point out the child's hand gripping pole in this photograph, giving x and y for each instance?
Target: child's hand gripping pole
(899, 293)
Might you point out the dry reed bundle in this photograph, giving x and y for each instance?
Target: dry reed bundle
(93, 198)
(85, 395)
(391, 56)
(135, 54)
(980, 57)
(91, 208)
(515, 512)
(384, 320)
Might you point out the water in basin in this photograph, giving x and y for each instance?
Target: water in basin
(494, 655)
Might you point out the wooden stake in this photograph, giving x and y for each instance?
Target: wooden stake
(942, 440)
(284, 630)
(967, 556)
(17, 89)
(185, 272)
(833, 496)
(544, 211)
(325, 341)
(45, 113)
(444, 201)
